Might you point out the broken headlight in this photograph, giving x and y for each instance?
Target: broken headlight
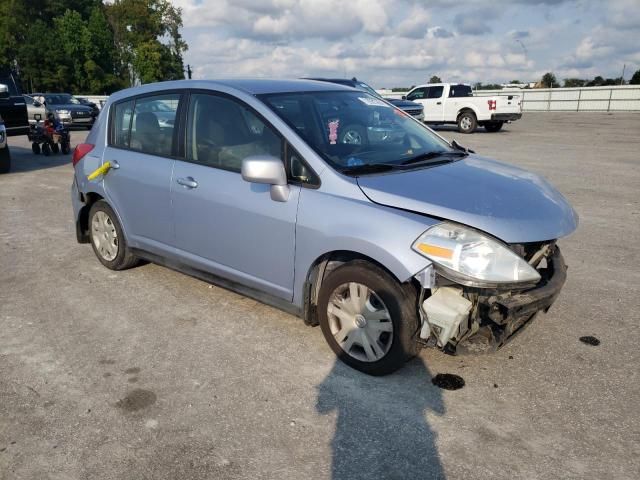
(472, 258)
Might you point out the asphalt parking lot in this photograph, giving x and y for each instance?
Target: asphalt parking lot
(150, 374)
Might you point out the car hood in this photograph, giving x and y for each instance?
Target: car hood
(507, 202)
(404, 104)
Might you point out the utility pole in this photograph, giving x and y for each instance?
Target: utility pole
(624, 65)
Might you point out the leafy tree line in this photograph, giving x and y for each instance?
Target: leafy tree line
(90, 47)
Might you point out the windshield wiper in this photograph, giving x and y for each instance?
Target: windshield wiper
(425, 157)
(368, 168)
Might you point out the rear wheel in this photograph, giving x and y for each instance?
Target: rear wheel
(493, 126)
(5, 160)
(368, 318)
(46, 149)
(66, 148)
(107, 238)
(35, 148)
(467, 122)
(55, 148)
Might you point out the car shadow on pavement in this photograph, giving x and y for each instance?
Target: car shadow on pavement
(381, 428)
(24, 160)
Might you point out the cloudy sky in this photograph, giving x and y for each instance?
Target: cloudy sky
(403, 42)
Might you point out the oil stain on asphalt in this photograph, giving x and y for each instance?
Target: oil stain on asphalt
(448, 381)
(590, 340)
(136, 400)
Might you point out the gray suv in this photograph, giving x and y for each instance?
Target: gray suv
(390, 244)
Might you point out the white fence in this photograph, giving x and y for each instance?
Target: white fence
(624, 98)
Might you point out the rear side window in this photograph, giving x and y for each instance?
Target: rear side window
(121, 124)
(435, 92)
(460, 91)
(222, 132)
(153, 122)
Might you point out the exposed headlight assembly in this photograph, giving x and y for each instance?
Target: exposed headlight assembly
(63, 112)
(471, 258)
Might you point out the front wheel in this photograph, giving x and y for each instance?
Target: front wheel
(467, 122)
(35, 148)
(368, 318)
(46, 149)
(66, 148)
(107, 238)
(493, 126)
(55, 148)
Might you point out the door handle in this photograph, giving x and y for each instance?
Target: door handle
(114, 164)
(188, 182)
(438, 103)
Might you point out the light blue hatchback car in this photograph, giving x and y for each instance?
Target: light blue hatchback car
(329, 203)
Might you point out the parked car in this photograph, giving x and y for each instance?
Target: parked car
(455, 103)
(95, 109)
(389, 246)
(5, 154)
(67, 109)
(414, 109)
(35, 110)
(12, 106)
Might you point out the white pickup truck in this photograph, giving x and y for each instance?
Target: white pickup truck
(455, 103)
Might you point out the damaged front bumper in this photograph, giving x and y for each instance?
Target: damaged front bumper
(482, 320)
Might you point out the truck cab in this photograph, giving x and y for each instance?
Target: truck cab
(449, 103)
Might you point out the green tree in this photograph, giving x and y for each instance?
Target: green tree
(635, 79)
(435, 79)
(574, 82)
(549, 81)
(515, 82)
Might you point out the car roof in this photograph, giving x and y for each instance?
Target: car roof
(252, 86)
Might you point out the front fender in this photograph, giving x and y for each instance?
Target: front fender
(328, 223)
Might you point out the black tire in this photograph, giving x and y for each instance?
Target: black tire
(35, 148)
(353, 134)
(400, 301)
(493, 126)
(66, 148)
(467, 122)
(46, 149)
(124, 258)
(55, 148)
(5, 160)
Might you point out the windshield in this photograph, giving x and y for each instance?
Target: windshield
(60, 99)
(355, 129)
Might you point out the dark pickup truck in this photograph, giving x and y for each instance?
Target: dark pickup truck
(13, 108)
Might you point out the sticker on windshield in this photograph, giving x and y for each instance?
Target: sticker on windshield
(374, 102)
(333, 131)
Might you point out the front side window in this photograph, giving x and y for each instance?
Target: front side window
(418, 93)
(222, 132)
(355, 129)
(153, 122)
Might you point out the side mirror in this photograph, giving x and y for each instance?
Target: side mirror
(4, 91)
(269, 170)
(36, 103)
(404, 97)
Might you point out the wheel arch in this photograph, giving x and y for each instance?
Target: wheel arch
(466, 110)
(322, 266)
(82, 222)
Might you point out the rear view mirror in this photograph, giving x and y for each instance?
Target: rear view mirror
(269, 170)
(4, 91)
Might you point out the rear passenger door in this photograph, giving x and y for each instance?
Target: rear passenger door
(224, 224)
(141, 149)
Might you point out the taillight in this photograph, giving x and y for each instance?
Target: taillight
(81, 150)
(492, 104)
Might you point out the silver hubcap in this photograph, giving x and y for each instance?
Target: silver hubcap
(104, 236)
(352, 137)
(360, 322)
(465, 123)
